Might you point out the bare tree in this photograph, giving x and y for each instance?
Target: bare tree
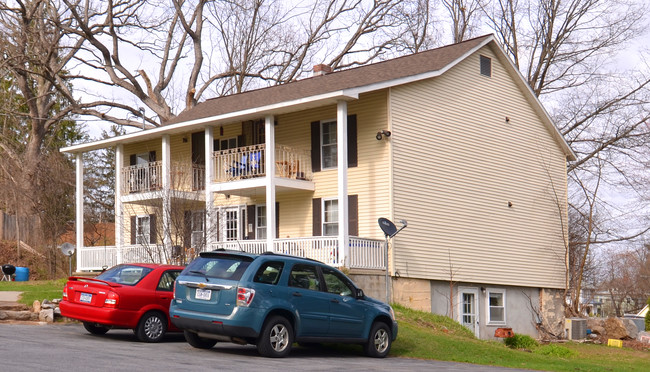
(464, 15)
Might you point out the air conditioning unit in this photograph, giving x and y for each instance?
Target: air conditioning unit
(575, 328)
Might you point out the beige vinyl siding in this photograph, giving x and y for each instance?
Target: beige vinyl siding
(457, 163)
(369, 180)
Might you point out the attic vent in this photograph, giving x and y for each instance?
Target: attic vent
(322, 69)
(486, 66)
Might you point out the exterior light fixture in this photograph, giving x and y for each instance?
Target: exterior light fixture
(382, 133)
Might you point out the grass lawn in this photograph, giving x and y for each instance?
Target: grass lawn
(35, 290)
(428, 336)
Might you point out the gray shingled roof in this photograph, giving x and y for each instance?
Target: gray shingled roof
(401, 67)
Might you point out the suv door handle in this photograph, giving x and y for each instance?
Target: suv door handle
(297, 294)
(334, 300)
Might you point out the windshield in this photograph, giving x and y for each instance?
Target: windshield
(125, 274)
(223, 267)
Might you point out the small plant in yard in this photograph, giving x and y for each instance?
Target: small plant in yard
(521, 342)
(556, 351)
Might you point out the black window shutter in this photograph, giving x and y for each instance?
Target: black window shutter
(187, 229)
(152, 156)
(315, 146)
(353, 215)
(277, 219)
(352, 141)
(316, 212)
(252, 220)
(217, 229)
(153, 231)
(132, 159)
(133, 229)
(241, 141)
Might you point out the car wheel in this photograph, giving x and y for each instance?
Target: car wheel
(379, 342)
(152, 327)
(198, 342)
(94, 328)
(276, 338)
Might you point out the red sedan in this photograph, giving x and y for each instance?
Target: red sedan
(135, 296)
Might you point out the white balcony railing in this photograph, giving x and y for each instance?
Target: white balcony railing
(141, 178)
(148, 177)
(249, 162)
(364, 253)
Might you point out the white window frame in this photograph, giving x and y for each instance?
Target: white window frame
(324, 221)
(142, 237)
(260, 216)
(322, 145)
(489, 307)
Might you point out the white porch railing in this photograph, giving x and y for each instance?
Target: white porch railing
(140, 178)
(249, 162)
(364, 253)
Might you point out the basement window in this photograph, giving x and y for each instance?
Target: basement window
(486, 66)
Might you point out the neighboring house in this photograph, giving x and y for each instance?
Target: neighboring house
(451, 140)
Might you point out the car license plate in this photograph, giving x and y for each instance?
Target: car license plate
(202, 294)
(86, 297)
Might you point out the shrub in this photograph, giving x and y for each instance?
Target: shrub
(520, 342)
(556, 351)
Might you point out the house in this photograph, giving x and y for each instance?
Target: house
(451, 140)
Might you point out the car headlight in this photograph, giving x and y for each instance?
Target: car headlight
(392, 312)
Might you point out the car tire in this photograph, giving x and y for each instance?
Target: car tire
(276, 338)
(152, 327)
(95, 329)
(198, 342)
(379, 342)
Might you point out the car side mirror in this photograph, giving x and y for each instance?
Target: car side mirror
(360, 293)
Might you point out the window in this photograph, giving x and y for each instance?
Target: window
(496, 306)
(336, 284)
(167, 279)
(125, 274)
(304, 276)
(330, 217)
(260, 222)
(486, 66)
(143, 229)
(198, 226)
(269, 273)
(328, 144)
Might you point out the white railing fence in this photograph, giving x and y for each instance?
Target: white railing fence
(140, 178)
(249, 162)
(364, 253)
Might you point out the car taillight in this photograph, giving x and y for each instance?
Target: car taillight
(111, 299)
(245, 296)
(65, 292)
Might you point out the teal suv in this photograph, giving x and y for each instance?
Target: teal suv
(272, 301)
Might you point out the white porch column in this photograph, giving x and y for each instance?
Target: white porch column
(79, 203)
(166, 189)
(210, 229)
(271, 223)
(342, 167)
(119, 211)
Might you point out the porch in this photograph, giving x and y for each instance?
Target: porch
(364, 253)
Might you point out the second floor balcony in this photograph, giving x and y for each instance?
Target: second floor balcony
(250, 162)
(148, 177)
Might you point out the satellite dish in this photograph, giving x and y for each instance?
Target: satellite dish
(67, 249)
(387, 226)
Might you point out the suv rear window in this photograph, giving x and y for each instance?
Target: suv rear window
(221, 267)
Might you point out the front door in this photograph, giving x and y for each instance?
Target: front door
(468, 303)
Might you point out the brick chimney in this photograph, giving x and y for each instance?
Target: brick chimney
(322, 69)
